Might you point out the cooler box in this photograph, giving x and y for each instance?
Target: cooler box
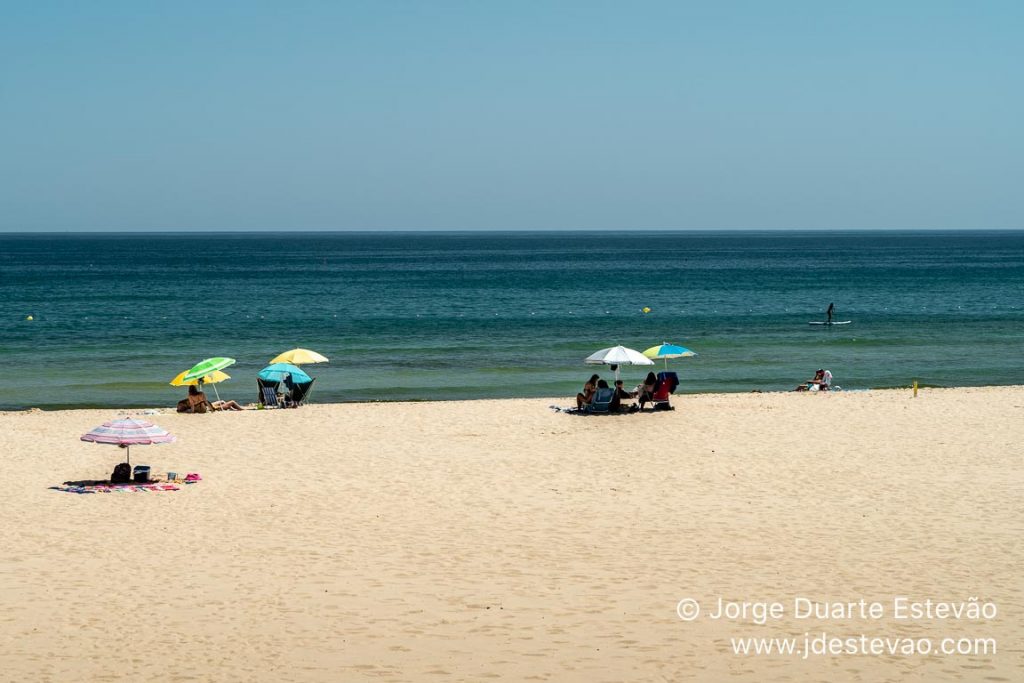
(141, 473)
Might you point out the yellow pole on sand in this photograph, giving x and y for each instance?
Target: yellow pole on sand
(915, 388)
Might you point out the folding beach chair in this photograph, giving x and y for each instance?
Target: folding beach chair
(268, 394)
(601, 402)
(664, 387)
(270, 398)
(300, 392)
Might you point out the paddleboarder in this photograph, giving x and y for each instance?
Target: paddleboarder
(831, 310)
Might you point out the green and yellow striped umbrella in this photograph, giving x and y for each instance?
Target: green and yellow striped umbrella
(206, 367)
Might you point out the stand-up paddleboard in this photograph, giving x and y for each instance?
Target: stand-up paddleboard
(834, 322)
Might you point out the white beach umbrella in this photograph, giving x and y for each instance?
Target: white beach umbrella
(617, 355)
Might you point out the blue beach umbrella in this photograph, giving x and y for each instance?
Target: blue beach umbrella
(279, 371)
(665, 351)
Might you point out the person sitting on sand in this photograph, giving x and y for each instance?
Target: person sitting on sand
(819, 383)
(198, 403)
(645, 392)
(584, 397)
(620, 393)
(195, 402)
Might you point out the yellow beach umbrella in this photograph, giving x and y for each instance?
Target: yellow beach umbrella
(300, 357)
(212, 378)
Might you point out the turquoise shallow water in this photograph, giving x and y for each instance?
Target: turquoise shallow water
(450, 316)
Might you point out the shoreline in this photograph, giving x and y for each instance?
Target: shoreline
(555, 400)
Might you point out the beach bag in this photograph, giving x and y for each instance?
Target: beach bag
(122, 474)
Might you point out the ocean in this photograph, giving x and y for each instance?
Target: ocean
(426, 316)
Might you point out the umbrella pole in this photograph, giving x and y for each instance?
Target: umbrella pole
(215, 392)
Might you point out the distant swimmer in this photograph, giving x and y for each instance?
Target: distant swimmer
(831, 310)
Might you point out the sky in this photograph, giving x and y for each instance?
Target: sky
(480, 115)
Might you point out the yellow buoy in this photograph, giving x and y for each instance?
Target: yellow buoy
(29, 318)
(646, 309)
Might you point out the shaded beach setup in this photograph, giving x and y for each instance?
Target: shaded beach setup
(127, 433)
(124, 434)
(280, 384)
(599, 398)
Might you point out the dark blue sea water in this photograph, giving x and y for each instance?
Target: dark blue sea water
(449, 316)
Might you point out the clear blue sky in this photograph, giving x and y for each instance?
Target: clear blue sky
(534, 115)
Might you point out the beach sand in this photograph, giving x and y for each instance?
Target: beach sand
(500, 540)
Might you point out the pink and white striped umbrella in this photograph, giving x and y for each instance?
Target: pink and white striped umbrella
(128, 432)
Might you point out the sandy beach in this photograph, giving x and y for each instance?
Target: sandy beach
(500, 540)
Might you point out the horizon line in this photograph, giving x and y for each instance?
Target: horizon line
(482, 231)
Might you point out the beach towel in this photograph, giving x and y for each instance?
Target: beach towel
(115, 488)
(576, 411)
(97, 486)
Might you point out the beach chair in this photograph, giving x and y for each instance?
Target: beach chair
(664, 387)
(269, 398)
(601, 402)
(300, 392)
(268, 394)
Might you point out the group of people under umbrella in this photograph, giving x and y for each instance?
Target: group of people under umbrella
(281, 384)
(598, 397)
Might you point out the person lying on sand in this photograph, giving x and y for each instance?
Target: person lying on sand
(226, 405)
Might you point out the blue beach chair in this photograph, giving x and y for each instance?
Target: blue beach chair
(601, 402)
(268, 394)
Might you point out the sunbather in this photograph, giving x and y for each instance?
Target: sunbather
(226, 405)
(645, 392)
(196, 402)
(584, 397)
